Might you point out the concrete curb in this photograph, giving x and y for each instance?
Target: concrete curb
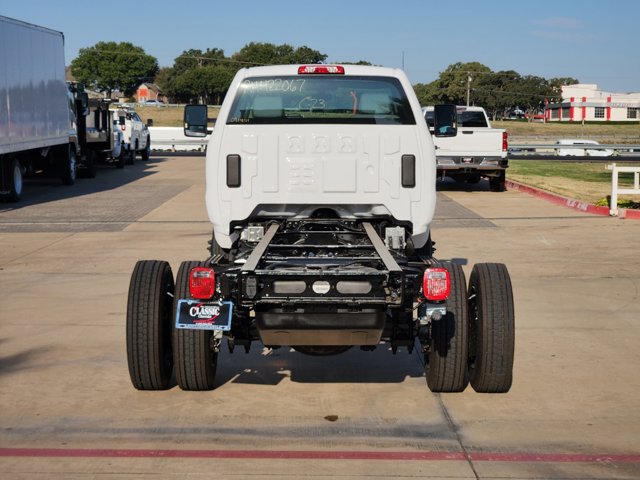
(569, 202)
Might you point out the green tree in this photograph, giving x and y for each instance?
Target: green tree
(359, 62)
(256, 53)
(207, 84)
(197, 75)
(110, 66)
(497, 92)
(206, 76)
(556, 87)
(427, 93)
(452, 84)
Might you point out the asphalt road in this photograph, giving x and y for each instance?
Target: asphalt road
(68, 410)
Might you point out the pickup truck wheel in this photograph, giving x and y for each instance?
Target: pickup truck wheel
(149, 319)
(131, 154)
(497, 184)
(446, 361)
(491, 328)
(122, 157)
(193, 355)
(147, 150)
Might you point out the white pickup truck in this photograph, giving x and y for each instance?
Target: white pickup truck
(321, 189)
(477, 151)
(136, 134)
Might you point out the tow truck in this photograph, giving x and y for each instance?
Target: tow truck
(321, 190)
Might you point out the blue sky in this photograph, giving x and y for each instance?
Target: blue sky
(592, 40)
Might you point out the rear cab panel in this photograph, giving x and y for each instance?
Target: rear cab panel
(298, 141)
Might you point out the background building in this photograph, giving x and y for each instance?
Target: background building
(584, 102)
(147, 92)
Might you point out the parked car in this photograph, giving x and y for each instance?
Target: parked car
(582, 152)
(153, 103)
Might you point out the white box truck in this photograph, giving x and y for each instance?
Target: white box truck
(37, 119)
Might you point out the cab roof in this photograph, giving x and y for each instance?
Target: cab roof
(362, 70)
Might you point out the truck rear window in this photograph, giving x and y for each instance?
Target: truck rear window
(465, 119)
(321, 99)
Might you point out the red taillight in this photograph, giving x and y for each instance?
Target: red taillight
(320, 69)
(202, 283)
(436, 285)
(505, 141)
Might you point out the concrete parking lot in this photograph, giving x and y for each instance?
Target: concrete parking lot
(68, 409)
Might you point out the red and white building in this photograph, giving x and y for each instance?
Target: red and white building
(148, 91)
(584, 102)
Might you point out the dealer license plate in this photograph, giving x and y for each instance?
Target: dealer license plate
(198, 315)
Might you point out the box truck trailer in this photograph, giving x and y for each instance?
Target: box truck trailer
(37, 110)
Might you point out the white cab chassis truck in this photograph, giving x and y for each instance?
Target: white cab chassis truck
(321, 190)
(37, 112)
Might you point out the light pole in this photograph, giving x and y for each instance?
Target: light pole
(468, 88)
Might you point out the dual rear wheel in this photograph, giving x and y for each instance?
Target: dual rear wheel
(155, 348)
(474, 342)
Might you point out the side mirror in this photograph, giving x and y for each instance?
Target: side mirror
(445, 119)
(121, 120)
(149, 122)
(195, 121)
(83, 99)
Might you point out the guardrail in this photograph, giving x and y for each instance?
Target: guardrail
(615, 189)
(532, 150)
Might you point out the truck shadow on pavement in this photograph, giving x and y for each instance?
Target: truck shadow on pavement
(30, 359)
(450, 185)
(41, 189)
(270, 367)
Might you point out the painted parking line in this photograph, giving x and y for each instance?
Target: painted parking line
(321, 455)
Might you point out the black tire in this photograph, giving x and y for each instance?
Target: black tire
(446, 361)
(147, 150)
(195, 360)
(149, 325)
(68, 167)
(491, 328)
(498, 184)
(11, 180)
(131, 154)
(90, 164)
(122, 158)
(473, 179)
